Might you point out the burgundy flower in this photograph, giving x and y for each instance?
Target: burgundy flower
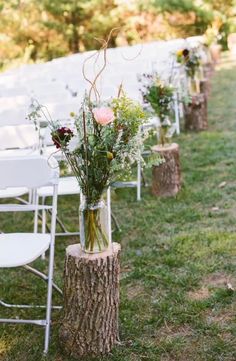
(185, 53)
(61, 136)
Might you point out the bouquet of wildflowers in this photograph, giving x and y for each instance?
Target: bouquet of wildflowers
(190, 59)
(159, 95)
(102, 141)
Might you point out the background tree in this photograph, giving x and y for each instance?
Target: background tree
(33, 30)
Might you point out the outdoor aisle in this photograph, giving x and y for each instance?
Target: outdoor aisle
(178, 255)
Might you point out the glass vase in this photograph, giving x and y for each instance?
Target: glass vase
(194, 86)
(94, 226)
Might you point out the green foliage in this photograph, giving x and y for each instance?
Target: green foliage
(183, 6)
(33, 30)
(160, 98)
(159, 95)
(191, 61)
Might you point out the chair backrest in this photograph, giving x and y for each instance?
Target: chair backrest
(28, 171)
(18, 136)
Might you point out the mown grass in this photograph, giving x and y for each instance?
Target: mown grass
(177, 256)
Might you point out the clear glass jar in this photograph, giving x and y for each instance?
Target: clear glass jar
(194, 86)
(94, 226)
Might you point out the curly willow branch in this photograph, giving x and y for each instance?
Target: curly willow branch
(103, 48)
(138, 53)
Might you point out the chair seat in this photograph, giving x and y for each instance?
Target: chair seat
(13, 192)
(67, 185)
(19, 249)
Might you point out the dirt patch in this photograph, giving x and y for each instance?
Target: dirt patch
(222, 317)
(200, 294)
(215, 280)
(168, 332)
(135, 291)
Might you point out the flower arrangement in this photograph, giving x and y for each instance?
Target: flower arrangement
(190, 59)
(102, 141)
(159, 95)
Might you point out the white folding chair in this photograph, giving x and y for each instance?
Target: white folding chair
(132, 183)
(17, 140)
(66, 186)
(20, 249)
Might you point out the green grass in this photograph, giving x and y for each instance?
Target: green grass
(177, 255)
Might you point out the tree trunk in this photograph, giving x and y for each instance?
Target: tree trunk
(166, 177)
(74, 36)
(196, 113)
(91, 299)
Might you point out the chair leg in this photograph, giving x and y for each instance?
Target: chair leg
(49, 305)
(139, 170)
(36, 200)
(44, 222)
(117, 226)
(42, 276)
(50, 275)
(44, 217)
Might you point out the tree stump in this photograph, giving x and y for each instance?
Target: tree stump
(91, 300)
(166, 177)
(196, 113)
(205, 87)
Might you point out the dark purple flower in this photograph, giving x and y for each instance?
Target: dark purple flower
(61, 136)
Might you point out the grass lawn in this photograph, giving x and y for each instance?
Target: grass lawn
(178, 255)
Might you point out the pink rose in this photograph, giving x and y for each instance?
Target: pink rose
(103, 115)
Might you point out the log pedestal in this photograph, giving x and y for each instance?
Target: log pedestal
(196, 113)
(166, 177)
(91, 300)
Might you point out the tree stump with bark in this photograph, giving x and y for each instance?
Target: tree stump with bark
(166, 177)
(91, 301)
(196, 113)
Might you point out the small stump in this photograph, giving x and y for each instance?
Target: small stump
(196, 113)
(91, 300)
(166, 178)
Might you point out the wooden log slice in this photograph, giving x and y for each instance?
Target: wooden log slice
(91, 300)
(196, 113)
(166, 177)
